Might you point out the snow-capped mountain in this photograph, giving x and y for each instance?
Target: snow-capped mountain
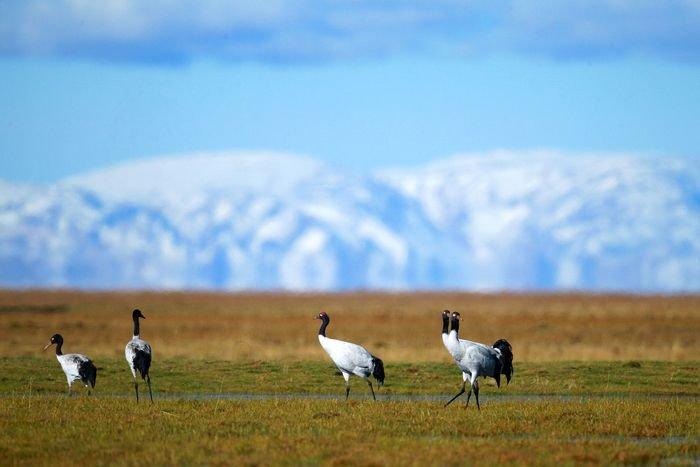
(527, 220)
(549, 220)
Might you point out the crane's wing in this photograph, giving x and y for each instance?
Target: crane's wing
(349, 357)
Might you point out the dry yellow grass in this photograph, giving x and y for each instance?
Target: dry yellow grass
(397, 327)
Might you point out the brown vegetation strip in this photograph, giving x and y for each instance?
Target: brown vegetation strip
(398, 327)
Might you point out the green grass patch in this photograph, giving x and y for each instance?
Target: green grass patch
(642, 413)
(32, 375)
(81, 430)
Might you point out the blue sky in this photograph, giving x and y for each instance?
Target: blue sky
(86, 85)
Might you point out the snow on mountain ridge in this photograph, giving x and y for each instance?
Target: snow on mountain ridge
(507, 220)
(612, 222)
(191, 175)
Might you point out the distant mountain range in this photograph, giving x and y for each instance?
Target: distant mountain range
(504, 220)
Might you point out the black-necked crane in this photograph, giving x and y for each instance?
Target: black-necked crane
(445, 337)
(475, 359)
(351, 359)
(76, 366)
(138, 355)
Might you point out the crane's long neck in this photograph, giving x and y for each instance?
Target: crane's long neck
(452, 342)
(455, 326)
(324, 324)
(136, 327)
(445, 325)
(59, 350)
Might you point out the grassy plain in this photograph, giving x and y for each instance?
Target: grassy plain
(599, 379)
(82, 431)
(171, 377)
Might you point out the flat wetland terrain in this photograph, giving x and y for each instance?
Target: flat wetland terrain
(241, 379)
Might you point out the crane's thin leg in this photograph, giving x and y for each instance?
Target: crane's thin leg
(467, 376)
(136, 388)
(371, 389)
(474, 382)
(458, 394)
(346, 376)
(148, 380)
(70, 392)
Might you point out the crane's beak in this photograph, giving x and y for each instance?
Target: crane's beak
(316, 317)
(48, 345)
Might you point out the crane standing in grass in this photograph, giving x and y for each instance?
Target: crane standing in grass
(351, 359)
(445, 337)
(76, 366)
(475, 359)
(138, 355)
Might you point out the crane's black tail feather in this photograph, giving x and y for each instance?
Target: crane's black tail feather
(142, 363)
(506, 357)
(497, 373)
(378, 371)
(88, 373)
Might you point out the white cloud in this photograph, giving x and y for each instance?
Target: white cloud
(280, 31)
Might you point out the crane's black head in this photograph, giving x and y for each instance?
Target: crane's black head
(56, 339)
(454, 321)
(323, 316)
(136, 314)
(445, 321)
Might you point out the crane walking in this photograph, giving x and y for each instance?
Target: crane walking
(351, 359)
(76, 366)
(475, 359)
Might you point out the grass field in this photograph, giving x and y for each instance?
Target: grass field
(42, 376)
(599, 379)
(98, 431)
